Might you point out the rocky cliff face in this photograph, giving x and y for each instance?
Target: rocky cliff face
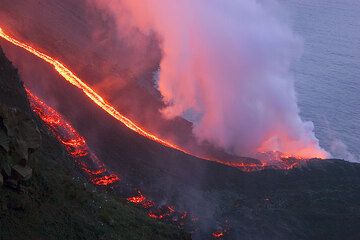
(19, 135)
(11, 89)
(19, 139)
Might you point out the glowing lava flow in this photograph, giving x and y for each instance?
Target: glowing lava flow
(141, 200)
(160, 213)
(96, 98)
(74, 143)
(218, 234)
(69, 76)
(169, 213)
(94, 168)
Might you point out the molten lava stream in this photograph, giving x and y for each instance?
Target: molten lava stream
(218, 234)
(161, 213)
(94, 168)
(69, 76)
(74, 143)
(76, 81)
(169, 213)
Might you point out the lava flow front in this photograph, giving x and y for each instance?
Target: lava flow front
(162, 212)
(218, 234)
(74, 143)
(69, 76)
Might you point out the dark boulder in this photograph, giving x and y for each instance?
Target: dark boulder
(19, 139)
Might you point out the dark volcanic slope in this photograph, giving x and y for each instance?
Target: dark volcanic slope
(57, 202)
(320, 200)
(317, 201)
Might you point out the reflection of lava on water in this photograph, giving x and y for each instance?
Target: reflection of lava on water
(74, 143)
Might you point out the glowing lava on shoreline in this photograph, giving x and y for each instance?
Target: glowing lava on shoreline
(74, 143)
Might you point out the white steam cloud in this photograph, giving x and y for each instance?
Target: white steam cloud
(227, 63)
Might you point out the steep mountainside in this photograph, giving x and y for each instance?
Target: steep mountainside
(318, 200)
(57, 202)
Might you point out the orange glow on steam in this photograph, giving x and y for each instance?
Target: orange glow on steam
(78, 141)
(96, 98)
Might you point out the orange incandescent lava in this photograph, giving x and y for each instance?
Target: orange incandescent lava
(141, 200)
(137, 199)
(93, 167)
(69, 76)
(218, 234)
(165, 212)
(74, 143)
(96, 98)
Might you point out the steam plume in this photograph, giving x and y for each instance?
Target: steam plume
(226, 65)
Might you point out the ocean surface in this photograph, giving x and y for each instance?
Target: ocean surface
(328, 74)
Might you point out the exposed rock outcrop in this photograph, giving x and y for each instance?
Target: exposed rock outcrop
(19, 139)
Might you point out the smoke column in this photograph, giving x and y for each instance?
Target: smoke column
(225, 66)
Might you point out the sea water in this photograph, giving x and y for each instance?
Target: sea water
(327, 75)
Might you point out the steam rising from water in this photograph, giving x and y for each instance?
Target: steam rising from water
(226, 64)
